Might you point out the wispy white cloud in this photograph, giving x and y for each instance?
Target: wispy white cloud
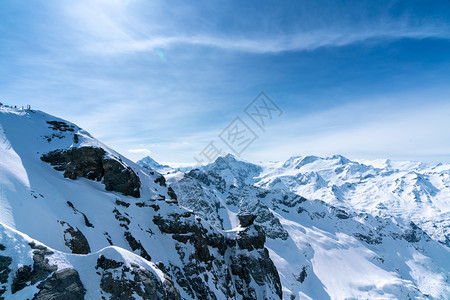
(117, 27)
(296, 42)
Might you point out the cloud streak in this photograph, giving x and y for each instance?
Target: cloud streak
(296, 42)
(119, 28)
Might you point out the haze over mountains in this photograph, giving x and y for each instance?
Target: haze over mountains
(79, 220)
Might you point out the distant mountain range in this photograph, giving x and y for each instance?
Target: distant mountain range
(80, 221)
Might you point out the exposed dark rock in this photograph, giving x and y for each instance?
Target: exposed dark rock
(291, 200)
(369, 239)
(143, 204)
(62, 285)
(262, 270)
(78, 162)
(122, 203)
(415, 234)
(232, 273)
(21, 279)
(246, 219)
(60, 126)
(199, 175)
(302, 276)
(57, 135)
(136, 245)
(86, 220)
(342, 215)
(300, 210)
(2, 248)
(91, 163)
(120, 179)
(161, 180)
(108, 238)
(116, 281)
(41, 266)
(251, 238)
(106, 263)
(123, 221)
(75, 239)
(175, 223)
(171, 193)
(5, 261)
(41, 269)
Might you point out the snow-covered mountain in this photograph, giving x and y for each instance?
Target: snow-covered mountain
(323, 240)
(78, 220)
(408, 190)
(149, 163)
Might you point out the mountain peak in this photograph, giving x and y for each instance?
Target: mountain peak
(148, 162)
(228, 158)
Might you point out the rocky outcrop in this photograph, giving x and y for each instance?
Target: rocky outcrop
(121, 179)
(121, 279)
(252, 237)
(123, 282)
(246, 219)
(234, 261)
(60, 126)
(136, 245)
(63, 284)
(196, 191)
(92, 163)
(259, 268)
(75, 239)
(5, 262)
(41, 268)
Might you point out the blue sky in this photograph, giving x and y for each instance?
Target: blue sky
(365, 79)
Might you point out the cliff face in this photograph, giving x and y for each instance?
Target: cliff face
(92, 163)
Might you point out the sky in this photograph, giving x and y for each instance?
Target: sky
(364, 79)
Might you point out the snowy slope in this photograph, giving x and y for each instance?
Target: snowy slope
(22, 250)
(320, 250)
(79, 199)
(408, 190)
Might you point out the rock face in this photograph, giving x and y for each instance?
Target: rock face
(240, 258)
(123, 282)
(197, 191)
(41, 268)
(63, 284)
(75, 239)
(92, 163)
(119, 279)
(246, 219)
(5, 262)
